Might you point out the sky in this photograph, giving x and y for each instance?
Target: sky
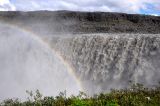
(151, 7)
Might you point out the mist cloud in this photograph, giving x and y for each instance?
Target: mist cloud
(26, 63)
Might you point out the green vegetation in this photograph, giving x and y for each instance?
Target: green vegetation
(136, 95)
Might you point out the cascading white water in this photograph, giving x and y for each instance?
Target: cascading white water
(105, 61)
(26, 64)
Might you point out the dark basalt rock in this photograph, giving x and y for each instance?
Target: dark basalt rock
(84, 22)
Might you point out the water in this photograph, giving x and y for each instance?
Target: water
(27, 64)
(105, 61)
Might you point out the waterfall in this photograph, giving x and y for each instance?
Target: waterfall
(105, 61)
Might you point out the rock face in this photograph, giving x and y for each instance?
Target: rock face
(105, 61)
(48, 22)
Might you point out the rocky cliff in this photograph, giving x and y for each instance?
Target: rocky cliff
(49, 22)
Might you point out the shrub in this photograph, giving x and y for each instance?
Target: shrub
(136, 95)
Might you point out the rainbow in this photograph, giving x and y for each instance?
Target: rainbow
(34, 36)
